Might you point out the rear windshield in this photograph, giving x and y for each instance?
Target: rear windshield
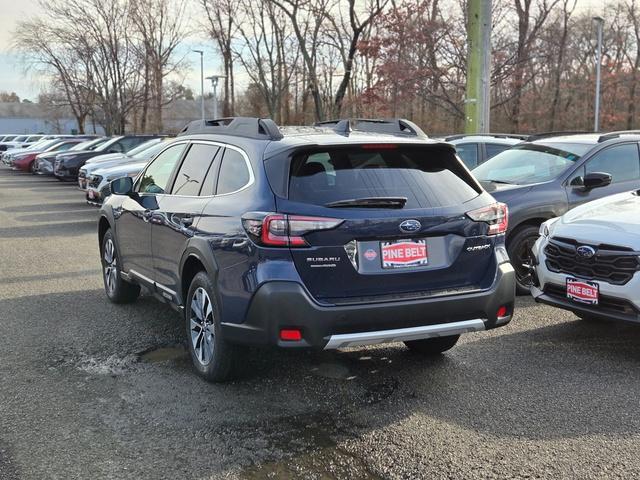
(426, 177)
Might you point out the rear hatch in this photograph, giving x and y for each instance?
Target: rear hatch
(400, 223)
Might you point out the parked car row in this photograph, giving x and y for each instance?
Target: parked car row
(359, 232)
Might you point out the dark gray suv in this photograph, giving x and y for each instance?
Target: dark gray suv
(544, 178)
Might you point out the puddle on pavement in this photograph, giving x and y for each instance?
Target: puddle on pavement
(170, 353)
(320, 458)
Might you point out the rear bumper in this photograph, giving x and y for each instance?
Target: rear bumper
(286, 305)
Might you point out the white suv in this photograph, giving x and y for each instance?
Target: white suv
(588, 260)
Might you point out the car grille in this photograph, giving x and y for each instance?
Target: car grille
(606, 303)
(94, 181)
(611, 263)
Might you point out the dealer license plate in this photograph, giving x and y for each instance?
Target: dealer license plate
(404, 253)
(583, 291)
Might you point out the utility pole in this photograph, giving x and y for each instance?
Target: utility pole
(201, 81)
(599, 24)
(477, 100)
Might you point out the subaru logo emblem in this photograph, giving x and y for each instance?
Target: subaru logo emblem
(410, 226)
(586, 251)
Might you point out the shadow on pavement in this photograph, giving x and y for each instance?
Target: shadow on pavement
(66, 229)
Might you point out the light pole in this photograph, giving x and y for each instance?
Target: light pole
(599, 24)
(214, 83)
(201, 81)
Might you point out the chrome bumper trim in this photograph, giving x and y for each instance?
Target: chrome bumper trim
(404, 334)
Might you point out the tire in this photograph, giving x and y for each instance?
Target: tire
(32, 168)
(432, 346)
(518, 248)
(213, 358)
(117, 289)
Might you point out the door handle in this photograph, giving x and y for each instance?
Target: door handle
(186, 221)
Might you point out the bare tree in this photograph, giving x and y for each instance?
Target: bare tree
(221, 26)
(568, 6)
(51, 50)
(160, 26)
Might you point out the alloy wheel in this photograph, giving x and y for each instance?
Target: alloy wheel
(202, 326)
(110, 265)
(523, 263)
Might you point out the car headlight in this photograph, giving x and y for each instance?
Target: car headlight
(547, 227)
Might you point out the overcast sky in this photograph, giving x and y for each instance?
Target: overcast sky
(13, 79)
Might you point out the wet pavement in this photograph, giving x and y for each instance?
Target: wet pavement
(93, 390)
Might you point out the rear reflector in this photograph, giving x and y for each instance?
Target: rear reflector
(502, 312)
(496, 215)
(290, 335)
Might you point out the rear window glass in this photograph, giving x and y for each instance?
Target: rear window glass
(425, 177)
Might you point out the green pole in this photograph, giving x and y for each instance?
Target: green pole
(478, 66)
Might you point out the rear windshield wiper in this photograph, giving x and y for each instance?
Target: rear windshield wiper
(369, 202)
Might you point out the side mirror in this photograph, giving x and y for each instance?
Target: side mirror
(596, 180)
(577, 181)
(122, 186)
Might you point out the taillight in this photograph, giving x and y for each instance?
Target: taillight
(279, 230)
(496, 215)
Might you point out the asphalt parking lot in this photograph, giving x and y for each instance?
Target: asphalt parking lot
(93, 390)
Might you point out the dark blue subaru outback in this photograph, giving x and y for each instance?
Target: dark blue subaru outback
(348, 233)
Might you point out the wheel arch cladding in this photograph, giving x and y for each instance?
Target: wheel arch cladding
(529, 222)
(103, 226)
(192, 265)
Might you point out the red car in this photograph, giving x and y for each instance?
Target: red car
(26, 161)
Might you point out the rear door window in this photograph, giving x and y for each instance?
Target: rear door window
(426, 177)
(492, 149)
(193, 170)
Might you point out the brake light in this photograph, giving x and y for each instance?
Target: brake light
(496, 215)
(279, 230)
(380, 146)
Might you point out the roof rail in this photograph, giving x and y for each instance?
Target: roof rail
(516, 136)
(538, 136)
(394, 126)
(612, 135)
(250, 127)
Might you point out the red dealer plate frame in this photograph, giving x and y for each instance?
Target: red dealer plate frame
(582, 291)
(404, 254)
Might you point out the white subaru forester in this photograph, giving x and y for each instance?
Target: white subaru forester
(588, 260)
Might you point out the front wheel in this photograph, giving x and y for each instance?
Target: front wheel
(212, 357)
(117, 289)
(432, 346)
(519, 248)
